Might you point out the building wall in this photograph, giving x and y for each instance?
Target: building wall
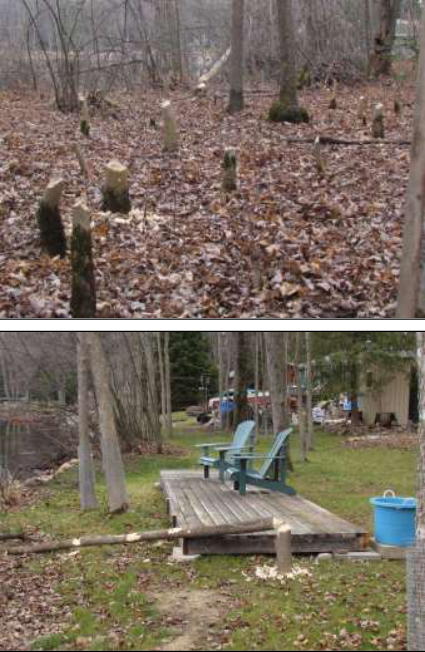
(392, 397)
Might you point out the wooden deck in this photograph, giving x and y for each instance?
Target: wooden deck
(193, 501)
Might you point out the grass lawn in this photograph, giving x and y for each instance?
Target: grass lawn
(134, 598)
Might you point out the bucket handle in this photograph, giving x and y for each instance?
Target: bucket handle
(389, 491)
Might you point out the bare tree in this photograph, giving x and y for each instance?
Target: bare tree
(411, 293)
(236, 99)
(383, 42)
(242, 377)
(302, 432)
(309, 391)
(287, 108)
(276, 364)
(111, 453)
(86, 468)
(416, 558)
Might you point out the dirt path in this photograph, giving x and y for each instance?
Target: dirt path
(191, 613)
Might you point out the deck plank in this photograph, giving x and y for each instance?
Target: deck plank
(195, 501)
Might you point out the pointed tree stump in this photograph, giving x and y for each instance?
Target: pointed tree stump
(171, 138)
(84, 117)
(115, 192)
(52, 233)
(361, 111)
(229, 170)
(378, 129)
(83, 296)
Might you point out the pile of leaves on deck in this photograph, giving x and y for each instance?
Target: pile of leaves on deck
(288, 243)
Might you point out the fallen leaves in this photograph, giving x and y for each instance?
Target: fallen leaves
(186, 250)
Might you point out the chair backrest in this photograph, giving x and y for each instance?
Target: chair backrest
(278, 444)
(243, 434)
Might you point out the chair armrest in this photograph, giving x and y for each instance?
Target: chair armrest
(260, 457)
(210, 445)
(232, 448)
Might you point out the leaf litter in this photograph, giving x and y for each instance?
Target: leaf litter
(288, 243)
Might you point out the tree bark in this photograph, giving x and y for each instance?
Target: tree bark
(309, 391)
(111, 453)
(381, 59)
(288, 76)
(171, 534)
(86, 468)
(242, 408)
(300, 402)
(236, 99)
(167, 369)
(416, 556)
(276, 364)
(411, 293)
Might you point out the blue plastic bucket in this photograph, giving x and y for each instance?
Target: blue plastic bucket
(395, 520)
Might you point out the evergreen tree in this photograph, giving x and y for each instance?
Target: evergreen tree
(190, 359)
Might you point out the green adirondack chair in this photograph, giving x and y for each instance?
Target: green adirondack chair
(219, 455)
(272, 474)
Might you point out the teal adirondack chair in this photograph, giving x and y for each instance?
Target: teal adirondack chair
(272, 474)
(220, 455)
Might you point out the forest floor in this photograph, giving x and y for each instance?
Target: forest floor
(137, 598)
(288, 243)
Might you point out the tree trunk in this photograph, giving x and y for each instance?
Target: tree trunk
(153, 399)
(309, 391)
(300, 402)
(411, 293)
(111, 453)
(288, 75)
(162, 378)
(86, 467)
(276, 364)
(236, 99)
(168, 405)
(242, 407)
(381, 58)
(416, 557)
(354, 398)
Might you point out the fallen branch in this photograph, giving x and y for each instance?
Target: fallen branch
(206, 77)
(329, 140)
(5, 536)
(169, 534)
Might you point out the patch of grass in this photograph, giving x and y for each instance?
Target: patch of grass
(111, 590)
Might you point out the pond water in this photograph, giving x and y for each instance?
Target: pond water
(26, 448)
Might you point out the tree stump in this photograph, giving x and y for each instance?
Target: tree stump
(52, 233)
(83, 296)
(171, 139)
(319, 157)
(229, 170)
(283, 549)
(115, 192)
(378, 129)
(361, 112)
(84, 118)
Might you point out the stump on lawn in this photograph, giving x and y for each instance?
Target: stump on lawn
(115, 191)
(229, 170)
(83, 296)
(378, 129)
(171, 139)
(52, 233)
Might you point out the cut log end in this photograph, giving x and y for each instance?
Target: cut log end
(52, 233)
(115, 192)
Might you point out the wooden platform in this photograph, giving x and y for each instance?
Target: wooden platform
(192, 501)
